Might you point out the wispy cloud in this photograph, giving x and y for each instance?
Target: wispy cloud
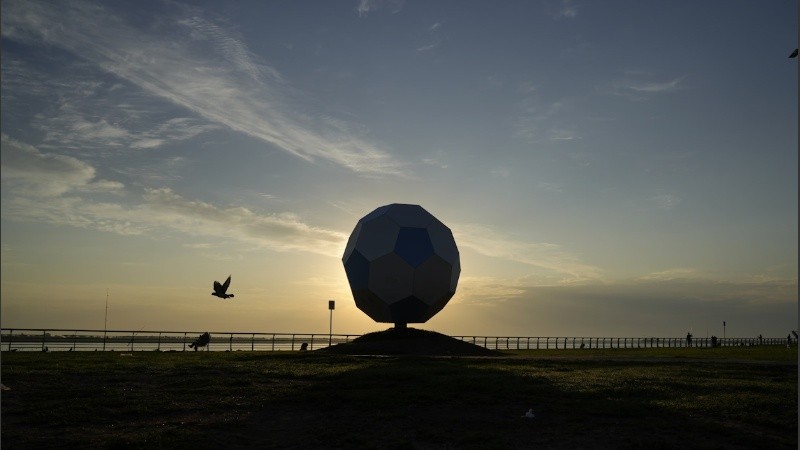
(638, 88)
(62, 190)
(200, 66)
(365, 7)
(554, 262)
(28, 171)
(653, 87)
(567, 9)
(539, 119)
(428, 47)
(665, 201)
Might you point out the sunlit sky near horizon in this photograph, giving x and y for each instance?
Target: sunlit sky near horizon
(616, 168)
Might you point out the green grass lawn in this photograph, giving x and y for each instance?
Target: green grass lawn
(649, 398)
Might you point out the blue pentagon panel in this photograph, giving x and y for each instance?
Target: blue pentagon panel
(372, 306)
(443, 243)
(357, 269)
(432, 280)
(456, 271)
(377, 212)
(390, 278)
(409, 215)
(377, 237)
(414, 245)
(351, 243)
(409, 310)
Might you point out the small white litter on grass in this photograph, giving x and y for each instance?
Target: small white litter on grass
(529, 414)
(3, 387)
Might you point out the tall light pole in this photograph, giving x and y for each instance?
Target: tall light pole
(105, 323)
(331, 307)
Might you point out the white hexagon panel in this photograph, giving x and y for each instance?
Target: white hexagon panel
(402, 264)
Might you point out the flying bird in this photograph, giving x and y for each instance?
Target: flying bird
(220, 289)
(794, 54)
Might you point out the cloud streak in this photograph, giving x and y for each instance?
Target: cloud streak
(199, 66)
(555, 264)
(638, 89)
(37, 174)
(61, 190)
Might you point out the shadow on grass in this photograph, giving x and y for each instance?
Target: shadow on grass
(473, 403)
(257, 400)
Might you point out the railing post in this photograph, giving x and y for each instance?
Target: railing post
(273, 342)
(230, 343)
(528, 344)
(133, 336)
(252, 342)
(312, 341)
(10, 334)
(44, 334)
(184, 341)
(158, 348)
(292, 342)
(537, 342)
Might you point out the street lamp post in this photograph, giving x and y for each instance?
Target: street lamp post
(331, 307)
(105, 323)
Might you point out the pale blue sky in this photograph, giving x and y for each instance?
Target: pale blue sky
(607, 168)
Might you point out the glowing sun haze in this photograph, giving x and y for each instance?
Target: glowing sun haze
(619, 168)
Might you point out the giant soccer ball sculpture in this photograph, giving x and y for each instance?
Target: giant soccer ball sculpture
(402, 264)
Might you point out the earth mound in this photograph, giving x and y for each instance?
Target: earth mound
(409, 341)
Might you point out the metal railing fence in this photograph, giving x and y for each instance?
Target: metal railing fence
(39, 339)
(27, 339)
(554, 342)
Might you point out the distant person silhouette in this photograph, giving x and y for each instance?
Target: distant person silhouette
(304, 346)
(688, 339)
(221, 289)
(201, 341)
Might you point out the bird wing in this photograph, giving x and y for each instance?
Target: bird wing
(218, 287)
(794, 54)
(226, 284)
